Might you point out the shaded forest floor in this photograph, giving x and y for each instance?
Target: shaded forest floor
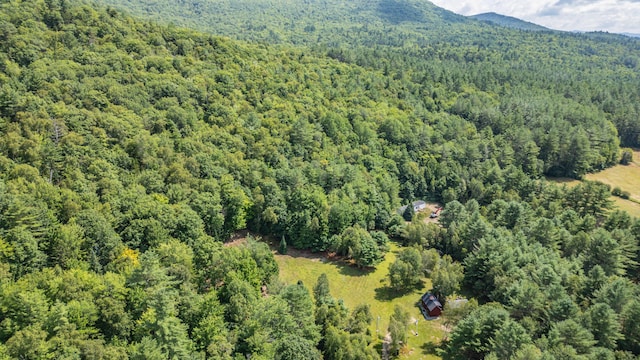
(357, 286)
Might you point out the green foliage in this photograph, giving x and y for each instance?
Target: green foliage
(408, 213)
(631, 327)
(620, 193)
(357, 243)
(130, 151)
(603, 323)
(627, 156)
(446, 278)
(282, 248)
(295, 348)
(321, 291)
(406, 272)
(398, 327)
(476, 334)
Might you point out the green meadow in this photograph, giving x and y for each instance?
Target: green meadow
(357, 286)
(626, 177)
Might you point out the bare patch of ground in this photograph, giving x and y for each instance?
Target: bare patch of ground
(239, 238)
(431, 208)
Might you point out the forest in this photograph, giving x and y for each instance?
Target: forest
(131, 151)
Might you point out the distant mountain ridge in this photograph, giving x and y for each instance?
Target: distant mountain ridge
(448, 57)
(508, 21)
(298, 22)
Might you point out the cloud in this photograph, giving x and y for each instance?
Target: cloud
(585, 15)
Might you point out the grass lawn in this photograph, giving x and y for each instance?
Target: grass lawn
(355, 287)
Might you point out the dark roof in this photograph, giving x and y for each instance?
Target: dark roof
(430, 301)
(433, 304)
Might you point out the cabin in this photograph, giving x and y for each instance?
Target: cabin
(430, 306)
(417, 206)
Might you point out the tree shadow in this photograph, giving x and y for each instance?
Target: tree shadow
(387, 293)
(430, 348)
(352, 270)
(398, 11)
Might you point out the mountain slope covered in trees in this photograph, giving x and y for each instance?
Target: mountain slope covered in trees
(443, 54)
(130, 151)
(508, 21)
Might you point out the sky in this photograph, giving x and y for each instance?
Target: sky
(616, 16)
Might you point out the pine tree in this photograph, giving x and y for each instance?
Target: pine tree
(282, 249)
(408, 213)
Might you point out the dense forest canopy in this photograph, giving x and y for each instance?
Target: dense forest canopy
(508, 21)
(130, 151)
(444, 55)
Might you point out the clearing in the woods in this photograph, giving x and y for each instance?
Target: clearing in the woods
(626, 177)
(357, 286)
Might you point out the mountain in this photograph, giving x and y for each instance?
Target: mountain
(508, 21)
(296, 21)
(415, 39)
(631, 35)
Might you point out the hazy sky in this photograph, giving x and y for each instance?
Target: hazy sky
(586, 15)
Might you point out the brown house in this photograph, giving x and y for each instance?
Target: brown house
(430, 306)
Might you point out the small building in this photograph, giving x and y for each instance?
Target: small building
(417, 206)
(430, 306)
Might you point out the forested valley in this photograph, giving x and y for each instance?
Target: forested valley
(132, 151)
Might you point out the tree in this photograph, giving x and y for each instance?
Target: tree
(603, 323)
(321, 290)
(631, 327)
(398, 323)
(572, 334)
(509, 340)
(357, 243)
(408, 213)
(360, 319)
(406, 272)
(605, 252)
(292, 347)
(626, 157)
(102, 243)
(446, 278)
(282, 248)
(301, 309)
(29, 343)
(475, 335)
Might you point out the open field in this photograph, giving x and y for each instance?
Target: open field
(355, 286)
(626, 177)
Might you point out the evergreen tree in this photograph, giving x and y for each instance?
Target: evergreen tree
(282, 248)
(408, 213)
(321, 290)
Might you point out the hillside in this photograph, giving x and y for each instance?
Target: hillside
(131, 151)
(297, 21)
(442, 53)
(509, 21)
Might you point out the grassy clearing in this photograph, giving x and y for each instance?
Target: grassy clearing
(355, 286)
(626, 177)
